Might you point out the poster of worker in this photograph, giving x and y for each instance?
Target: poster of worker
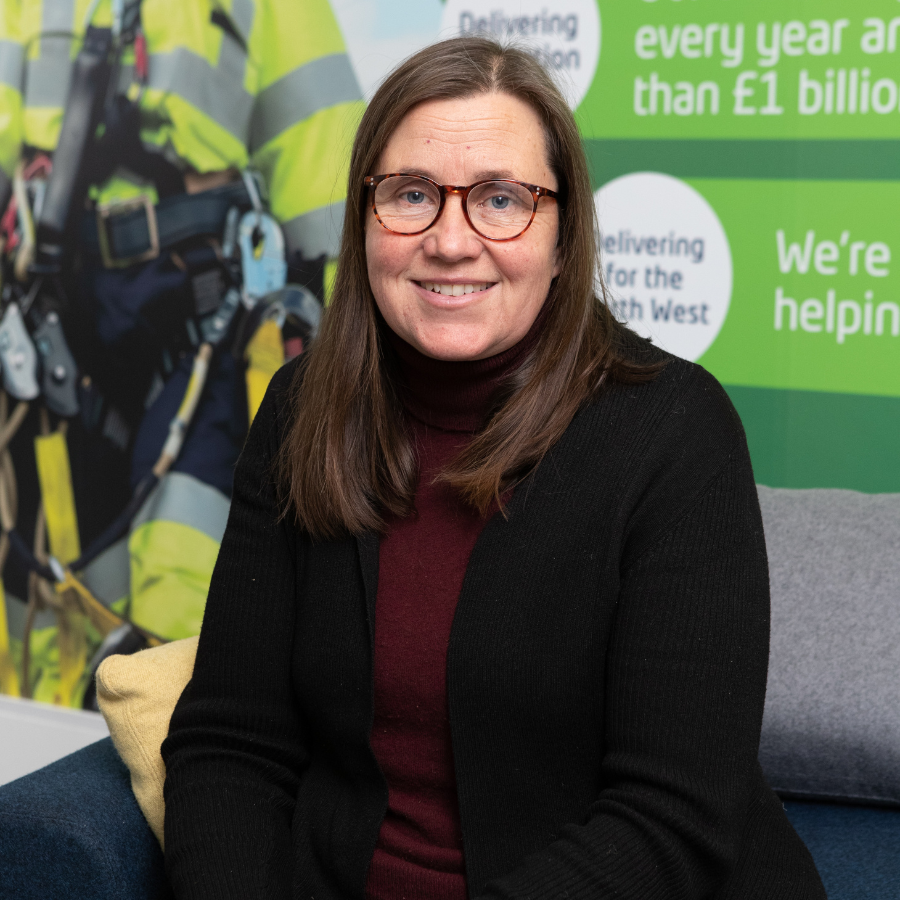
(172, 184)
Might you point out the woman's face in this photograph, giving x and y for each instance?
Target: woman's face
(459, 142)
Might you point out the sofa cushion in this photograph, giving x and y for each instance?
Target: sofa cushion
(831, 727)
(137, 695)
(854, 847)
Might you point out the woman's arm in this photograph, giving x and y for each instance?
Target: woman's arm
(686, 671)
(235, 750)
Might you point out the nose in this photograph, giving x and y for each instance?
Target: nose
(451, 238)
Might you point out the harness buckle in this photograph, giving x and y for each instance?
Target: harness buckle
(115, 209)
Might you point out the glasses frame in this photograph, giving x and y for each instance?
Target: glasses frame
(536, 191)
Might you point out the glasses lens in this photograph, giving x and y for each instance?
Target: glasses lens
(500, 209)
(406, 204)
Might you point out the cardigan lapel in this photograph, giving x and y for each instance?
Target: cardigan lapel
(368, 545)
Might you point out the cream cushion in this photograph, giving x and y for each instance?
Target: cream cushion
(137, 696)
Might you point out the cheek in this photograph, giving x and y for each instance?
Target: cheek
(539, 261)
(386, 263)
(386, 254)
(377, 256)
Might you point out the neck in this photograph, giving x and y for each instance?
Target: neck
(456, 396)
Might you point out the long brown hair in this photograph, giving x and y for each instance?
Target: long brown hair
(347, 459)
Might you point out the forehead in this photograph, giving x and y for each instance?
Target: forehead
(459, 141)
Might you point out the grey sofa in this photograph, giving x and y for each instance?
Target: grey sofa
(830, 744)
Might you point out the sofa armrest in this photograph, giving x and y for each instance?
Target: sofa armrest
(74, 829)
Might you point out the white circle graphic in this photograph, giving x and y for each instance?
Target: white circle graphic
(666, 260)
(564, 35)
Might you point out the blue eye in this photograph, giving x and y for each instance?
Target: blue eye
(414, 197)
(499, 202)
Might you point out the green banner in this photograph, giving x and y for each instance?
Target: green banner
(776, 125)
(761, 69)
(816, 302)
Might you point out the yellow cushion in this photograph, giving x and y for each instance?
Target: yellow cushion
(137, 695)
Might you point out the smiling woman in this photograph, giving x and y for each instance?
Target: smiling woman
(490, 618)
(493, 236)
(451, 122)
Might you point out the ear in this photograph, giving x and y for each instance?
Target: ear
(557, 261)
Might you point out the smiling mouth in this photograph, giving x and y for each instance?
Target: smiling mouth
(455, 290)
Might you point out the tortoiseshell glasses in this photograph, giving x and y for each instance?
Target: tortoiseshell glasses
(499, 209)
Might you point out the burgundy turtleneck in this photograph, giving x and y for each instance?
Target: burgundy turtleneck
(422, 562)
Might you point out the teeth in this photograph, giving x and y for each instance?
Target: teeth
(454, 290)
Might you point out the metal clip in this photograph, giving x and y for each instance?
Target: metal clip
(215, 326)
(18, 356)
(262, 256)
(106, 212)
(58, 367)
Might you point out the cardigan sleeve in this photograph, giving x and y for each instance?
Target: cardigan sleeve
(686, 674)
(235, 750)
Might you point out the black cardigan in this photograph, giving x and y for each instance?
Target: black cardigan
(606, 675)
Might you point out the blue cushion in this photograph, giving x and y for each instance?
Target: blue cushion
(74, 829)
(856, 848)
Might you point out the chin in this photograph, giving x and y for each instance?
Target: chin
(457, 348)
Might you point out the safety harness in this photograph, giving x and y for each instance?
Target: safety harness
(239, 291)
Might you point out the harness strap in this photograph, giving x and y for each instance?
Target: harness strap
(134, 229)
(265, 356)
(55, 476)
(84, 106)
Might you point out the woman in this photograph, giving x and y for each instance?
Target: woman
(490, 617)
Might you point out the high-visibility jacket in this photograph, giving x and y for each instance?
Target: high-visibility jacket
(273, 89)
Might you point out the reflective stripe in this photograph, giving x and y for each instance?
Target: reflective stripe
(243, 13)
(47, 80)
(179, 498)
(316, 232)
(173, 547)
(12, 56)
(319, 84)
(57, 16)
(187, 500)
(108, 577)
(233, 57)
(191, 77)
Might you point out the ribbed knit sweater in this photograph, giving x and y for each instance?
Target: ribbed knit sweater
(422, 561)
(605, 679)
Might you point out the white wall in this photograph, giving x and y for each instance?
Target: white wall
(32, 735)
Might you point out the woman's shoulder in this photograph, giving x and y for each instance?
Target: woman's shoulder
(681, 399)
(285, 381)
(277, 407)
(664, 443)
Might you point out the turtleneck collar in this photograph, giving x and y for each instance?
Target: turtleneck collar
(456, 396)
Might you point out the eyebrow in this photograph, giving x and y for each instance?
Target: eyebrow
(484, 175)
